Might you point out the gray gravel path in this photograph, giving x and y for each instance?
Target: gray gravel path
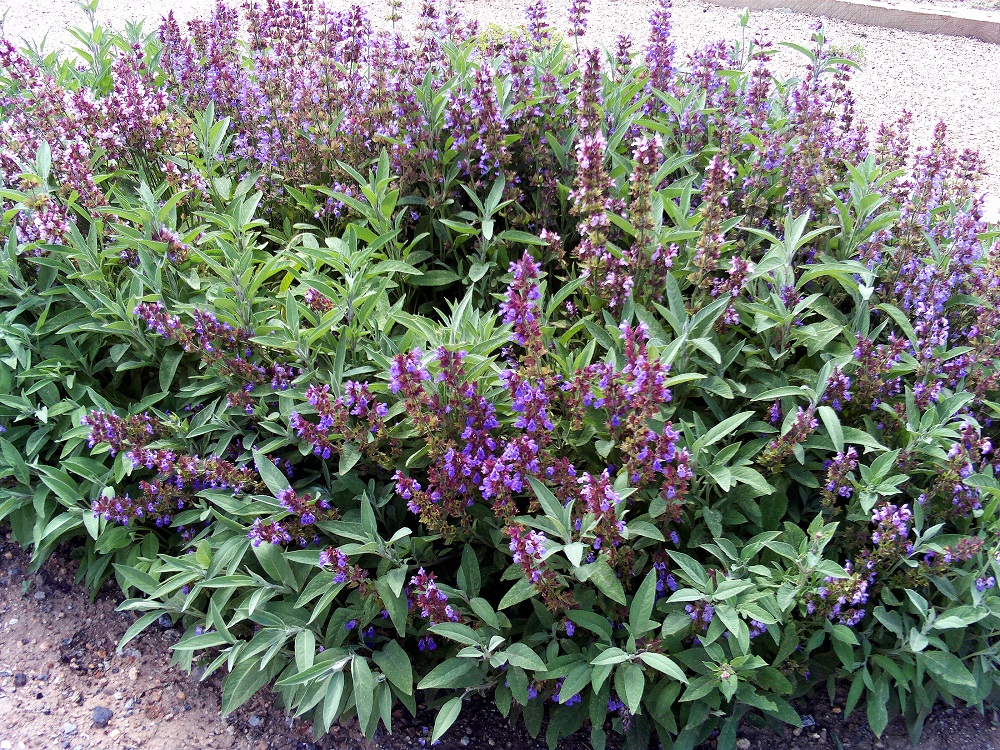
(937, 77)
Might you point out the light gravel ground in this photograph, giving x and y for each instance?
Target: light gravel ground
(937, 77)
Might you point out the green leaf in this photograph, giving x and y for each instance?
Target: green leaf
(523, 589)
(878, 706)
(592, 621)
(435, 278)
(949, 672)
(577, 680)
(642, 605)
(832, 423)
(246, 679)
(607, 582)
(447, 674)
(349, 456)
(663, 664)
(901, 320)
(469, 576)
(550, 504)
(692, 568)
(446, 717)
(520, 655)
(16, 463)
(753, 478)
(272, 560)
(395, 665)
(272, 476)
(485, 612)
(137, 578)
(364, 689)
(721, 430)
(513, 235)
(331, 701)
(634, 682)
(458, 632)
(62, 484)
(316, 672)
(168, 368)
(613, 655)
(138, 626)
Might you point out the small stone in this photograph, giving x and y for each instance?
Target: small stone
(165, 621)
(835, 710)
(5, 745)
(69, 728)
(180, 696)
(807, 720)
(133, 674)
(129, 704)
(39, 595)
(255, 721)
(743, 743)
(20, 679)
(464, 742)
(101, 716)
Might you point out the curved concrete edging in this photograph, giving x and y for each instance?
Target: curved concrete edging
(977, 24)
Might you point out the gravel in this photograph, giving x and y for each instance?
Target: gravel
(101, 716)
(937, 77)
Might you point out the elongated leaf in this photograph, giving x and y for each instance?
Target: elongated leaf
(446, 717)
(663, 664)
(395, 665)
(522, 656)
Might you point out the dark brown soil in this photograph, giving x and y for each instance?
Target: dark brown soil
(58, 662)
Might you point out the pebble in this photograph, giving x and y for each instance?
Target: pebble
(39, 595)
(69, 728)
(807, 720)
(165, 621)
(101, 716)
(255, 721)
(464, 742)
(20, 679)
(5, 745)
(129, 704)
(743, 743)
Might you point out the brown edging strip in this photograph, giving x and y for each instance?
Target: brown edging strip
(976, 24)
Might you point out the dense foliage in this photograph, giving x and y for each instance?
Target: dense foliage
(639, 393)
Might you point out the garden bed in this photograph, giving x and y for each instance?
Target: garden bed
(64, 645)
